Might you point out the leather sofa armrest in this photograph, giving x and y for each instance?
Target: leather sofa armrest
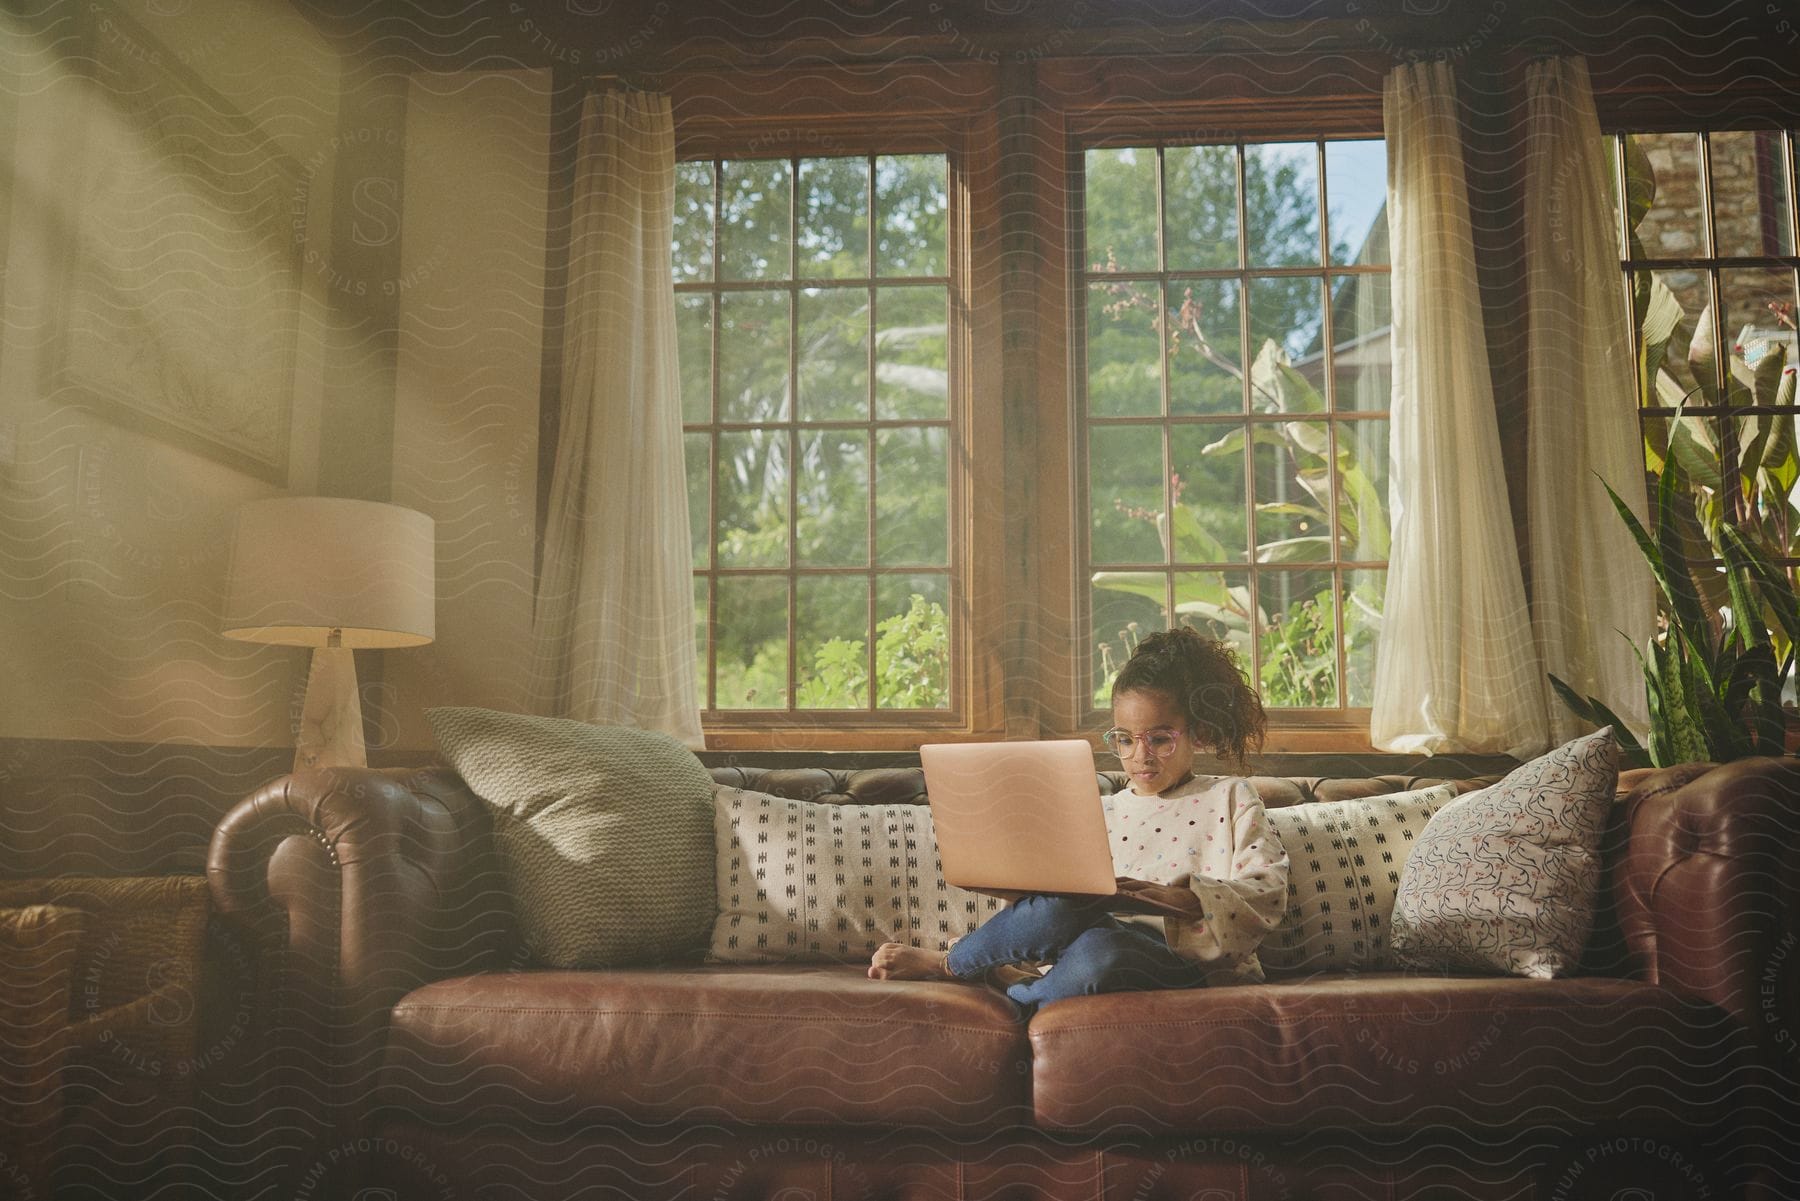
(406, 851)
(1709, 891)
(362, 885)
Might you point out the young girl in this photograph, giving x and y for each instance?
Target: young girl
(1199, 843)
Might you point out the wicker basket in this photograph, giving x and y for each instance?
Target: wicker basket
(133, 998)
(39, 946)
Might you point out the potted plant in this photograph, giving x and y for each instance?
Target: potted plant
(1713, 679)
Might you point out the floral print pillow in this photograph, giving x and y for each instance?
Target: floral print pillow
(1504, 879)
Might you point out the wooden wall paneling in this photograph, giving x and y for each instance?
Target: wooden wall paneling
(979, 475)
(1031, 402)
(120, 808)
(827, 109)
(1186, 97)
(1059, 666)
(1675, 69)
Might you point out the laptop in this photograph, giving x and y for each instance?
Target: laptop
(1018, 817)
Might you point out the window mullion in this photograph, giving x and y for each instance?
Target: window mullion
(1328, 389)
(1732, 498)
(1792, 144)
(717, 307)
(1253, 573)
(870, 697)
(871, 599)
(1170, 620)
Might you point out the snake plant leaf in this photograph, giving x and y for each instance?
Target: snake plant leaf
(1671, 546)
(1675, 733)
(1657, 703)
(1774, 711)
(1747, 629)
(1753, 668)
(1586, 708)
(1777, 588)
(1680, 595)
(1721, 735)
(1709, 728)
(1596, 713)
(1755, 691)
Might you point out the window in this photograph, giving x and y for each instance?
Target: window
(1233, 383)
(1709, 258)
(813, 299)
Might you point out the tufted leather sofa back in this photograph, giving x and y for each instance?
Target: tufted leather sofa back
(906, 785)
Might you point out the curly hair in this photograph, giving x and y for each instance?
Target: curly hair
(1201, 675)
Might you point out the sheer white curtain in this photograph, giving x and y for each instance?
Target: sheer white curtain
(1457, 668)
(1589, 585)
(613, 632)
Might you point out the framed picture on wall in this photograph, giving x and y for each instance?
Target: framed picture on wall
(179, 301)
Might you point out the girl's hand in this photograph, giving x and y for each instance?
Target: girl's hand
(1171, 895)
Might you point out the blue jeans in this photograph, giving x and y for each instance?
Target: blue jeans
(1094, 951)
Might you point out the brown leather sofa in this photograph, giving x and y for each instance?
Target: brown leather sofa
(434, 1060)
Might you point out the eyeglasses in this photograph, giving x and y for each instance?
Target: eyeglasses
(1159, 744)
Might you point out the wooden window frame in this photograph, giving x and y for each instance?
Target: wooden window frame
(1710, 263)
(1335, 419)
(1097, 103)
(862, 113)
(1016, 471)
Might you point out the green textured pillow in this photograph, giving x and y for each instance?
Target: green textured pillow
(606, 833)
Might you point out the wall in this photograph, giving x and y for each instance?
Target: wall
(408, 209)
(412, 212)
(114, 524)
(471, 293)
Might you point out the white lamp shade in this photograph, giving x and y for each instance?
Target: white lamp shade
(304, 566)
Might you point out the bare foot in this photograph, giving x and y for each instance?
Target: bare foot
(897, 961)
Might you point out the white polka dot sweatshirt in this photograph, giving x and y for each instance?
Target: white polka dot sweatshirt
(1211, 835)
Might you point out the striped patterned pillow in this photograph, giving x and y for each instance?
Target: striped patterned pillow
(1344, 861)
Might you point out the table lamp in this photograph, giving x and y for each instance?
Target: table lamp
(335, 575)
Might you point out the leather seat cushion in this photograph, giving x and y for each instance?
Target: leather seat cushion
(1384, 1050)
(802, 1044)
